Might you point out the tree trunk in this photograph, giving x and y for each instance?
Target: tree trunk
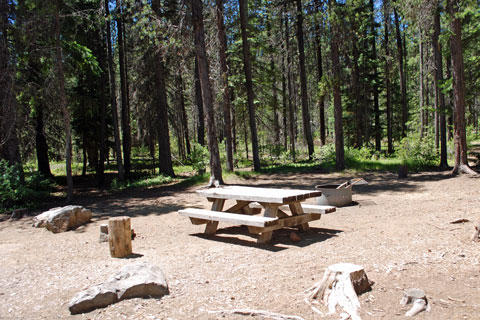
(227, 106)
(165, 165)
(113, 97)
(199, 107)
(9, 143)
(249, 84)
(183, 113)
(321, 97)
(337, 97)
(41, 142)
(460, 135)
(388, 107)
(373, 54)
(103, 149)
(422, 89)
(291, 112)
(307, 130)
(440, 98)
(276, 124)
(125, 112)
(403, 82)
(63, 104)
(203, 71)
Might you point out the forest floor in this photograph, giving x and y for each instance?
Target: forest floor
(400, 231)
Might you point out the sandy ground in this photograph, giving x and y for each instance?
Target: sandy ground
(398, 230)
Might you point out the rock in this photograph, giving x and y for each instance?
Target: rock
(135, 280)
(63, 218)
(18, 214)
(294, 237)
(103, 233)
(419, 299)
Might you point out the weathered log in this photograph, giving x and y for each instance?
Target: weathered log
(419, 300)
(119, 237)
(476, 233)
(341, 284)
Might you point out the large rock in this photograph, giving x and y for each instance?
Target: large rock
(135, 280)
(62, 219)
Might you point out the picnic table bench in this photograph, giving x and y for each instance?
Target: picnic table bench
(250, 201)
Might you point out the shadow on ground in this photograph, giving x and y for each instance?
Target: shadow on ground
(280, 240)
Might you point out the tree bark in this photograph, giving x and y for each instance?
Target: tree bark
(307, 130)
(43, 162)
(460, 135)
(203, 71)
(337, 98)
(440, 98)
(165, 165)
(183, 114)
(125, 110)
(249, 84)
(373, 55)
(403, 82)
(321, 97)
(291, 112)
(276, 124)
(227, 106)
(9, 143)
(113, 97)
(388, 107)
(422, 88)
(199, 107)
(63, 104)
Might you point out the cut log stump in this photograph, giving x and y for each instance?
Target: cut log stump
(419, 300)
(119, 237)
(341, 284)
(476, 233)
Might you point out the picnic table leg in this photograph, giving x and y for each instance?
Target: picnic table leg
(212, 226)
(265, 237)
(296, 209)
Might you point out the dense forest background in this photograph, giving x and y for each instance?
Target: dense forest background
(120, 86)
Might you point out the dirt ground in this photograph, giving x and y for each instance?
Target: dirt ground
(400, 231)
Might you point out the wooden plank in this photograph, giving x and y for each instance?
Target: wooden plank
(296, 209)
(307, 208)
(212, 226)
(291, 221)
(237, 207)
(269, 195)
(234, 218)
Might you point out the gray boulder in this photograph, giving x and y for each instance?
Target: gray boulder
(63, 218)
(135, 280)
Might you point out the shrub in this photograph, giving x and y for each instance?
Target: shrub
(418, 153)
(14, 193)
(198, 158)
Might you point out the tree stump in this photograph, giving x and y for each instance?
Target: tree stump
(475, 236)
(419, 300)
(340, 285)
(119, 237)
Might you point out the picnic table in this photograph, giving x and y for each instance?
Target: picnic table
(263, 210)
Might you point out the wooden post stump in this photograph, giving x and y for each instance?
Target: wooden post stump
(119, 237)
(340, 285)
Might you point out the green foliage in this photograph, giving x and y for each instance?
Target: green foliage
(198, 157)
(418, 153)
(15, 194)
(326, 154)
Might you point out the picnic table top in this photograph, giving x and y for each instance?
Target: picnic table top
(268, 195)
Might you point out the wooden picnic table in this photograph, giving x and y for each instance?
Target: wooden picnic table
(273, 203)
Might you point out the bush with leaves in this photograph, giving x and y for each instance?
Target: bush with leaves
(198, 157)
(14, 193)
(418, 153)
